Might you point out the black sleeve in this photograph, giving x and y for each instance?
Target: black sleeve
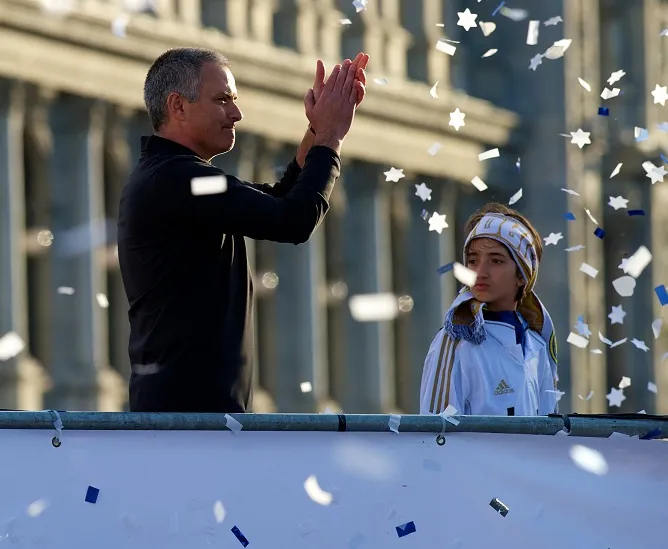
(284, 186)
(247, 211)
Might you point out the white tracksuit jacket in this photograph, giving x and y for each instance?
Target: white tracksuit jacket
(493, 378)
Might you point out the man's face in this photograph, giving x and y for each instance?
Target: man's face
(210, 120)
(498, 280)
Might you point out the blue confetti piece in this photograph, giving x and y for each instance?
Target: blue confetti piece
(662, 294)
(242, 539)
(445, 268)
(91, 494)
(664, 158)
(498, 8)
(636, 212)
(581, 319)
(569, 216)
(424, 214)
(405, 529)
(599, 232)
(604, 111)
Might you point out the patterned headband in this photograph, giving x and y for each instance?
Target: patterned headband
(515, 236)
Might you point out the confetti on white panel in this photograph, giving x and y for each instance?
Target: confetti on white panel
(434, 148)
(487, 27)
(65, 290)
(651, 387)
(446, 47)
(232, 424)
(373, 307)
(589, 270)
(624, 285)
(305, 387)
(584, 84)
(489, 53)
(515, 198)
(638, 261)
(219, 511)
(588, 459)
(532, 33)
(656, 327)
(213, 184)
(479, 183)
(464, 275)
(433, 91)
(316, 493)
(577, 340)
(394, 422)
(492, 153)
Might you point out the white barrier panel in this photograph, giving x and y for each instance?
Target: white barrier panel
(191, 489)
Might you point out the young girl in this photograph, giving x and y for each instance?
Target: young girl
(496, 353)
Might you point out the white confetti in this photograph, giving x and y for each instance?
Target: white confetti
(394, 422)
(305, 387)
(588, 397)
(651, 387)
(487, 27)
(213, 184)
(616, 170)
(489, 53)
(515, 14)
(102, 300)
(232, 424)
(11, 345)
(624, 285)
(36, 508)
(219, 511)
(373, 307)
(571, 191)
(464, 275)
(558, 49)
(381, 81)
(119, 25)
(656, 327)
(479, 183)
(345, 22)
(437, 222)
(316, 493)
(58, 7)
(593, 219)
(515, 198)
(588, 270)
(394, 175)
(434, 148)
(532, 33)
(636, 264)
(492, 153)
(584, 84)
(445, 47)
(65, 290)
(609, 94)
(588, 459)
(625, 382)
(577, 340)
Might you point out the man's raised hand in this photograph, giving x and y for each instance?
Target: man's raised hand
(361, 61)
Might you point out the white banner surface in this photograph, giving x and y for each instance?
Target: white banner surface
(292, 490)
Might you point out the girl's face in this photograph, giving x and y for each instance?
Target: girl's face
(498, 278)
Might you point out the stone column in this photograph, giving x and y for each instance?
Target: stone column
(228, 16)
(80, 346)
(370, 374)
(190, 12)
(329, 30)
(262, 20)
(424, 62)
(22, 379)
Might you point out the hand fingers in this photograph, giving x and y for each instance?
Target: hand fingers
(364, 61)
(349, 81)
(331, 81)
(357, 93)
(361, 76)
(309, 101)
(358, 59)
(319, 74)
(343, 75)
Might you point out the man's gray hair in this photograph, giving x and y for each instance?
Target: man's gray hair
(176, 71)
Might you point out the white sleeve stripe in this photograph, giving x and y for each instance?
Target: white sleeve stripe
(448, 362)
(439, 374)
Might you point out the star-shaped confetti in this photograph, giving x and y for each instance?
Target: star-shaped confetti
(423, 191)
(437, 222)
(616, 77)
(582, 328)
(617, 315)
(660, 94)
(535, 61)
(553, 21)
(618, 202)
(656, 174)
(552, 239)
(467, 19)
(640, 344)
(622, 265)
(615, 397)
(394, 175)
(457, 119)
(580, 138)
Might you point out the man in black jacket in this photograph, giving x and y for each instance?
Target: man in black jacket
(182, 224)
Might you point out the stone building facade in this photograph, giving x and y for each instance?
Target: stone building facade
(71, 114)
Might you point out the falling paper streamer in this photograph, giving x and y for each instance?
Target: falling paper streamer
(394, 422)
(219, 511)
(489, 53)
(373, 307)
(624, 285)
(464, 275)
(445, 47)
(589, 270)
(636, 264)
(11, 345)
(588, 459)
(214, 184)
(584, 84)
(577, 340)
(232, 424)
(492, 153)
(532, 33)
(316, 493)
(479, 183)
(305, 387)
(515, 198)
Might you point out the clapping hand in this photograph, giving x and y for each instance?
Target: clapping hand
(360, 62)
